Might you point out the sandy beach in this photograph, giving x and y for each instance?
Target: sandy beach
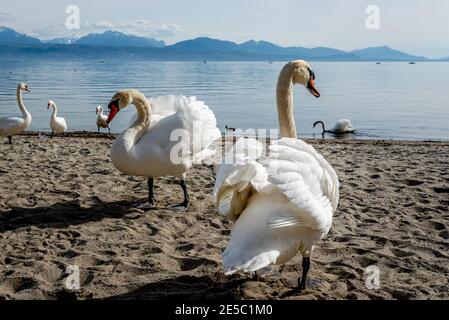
(63, 203)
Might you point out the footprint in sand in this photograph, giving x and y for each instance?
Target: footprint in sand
(15, 285)
(412, 182)
(444, 234)
(84, 151)
(437, 225)
(441, 189)
(187, 264)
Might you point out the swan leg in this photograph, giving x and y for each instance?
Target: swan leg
(52, 133)
(301, 280)
(305, 270)
(10, 139)
(98, 129)
(150, 191)
(183, 206)
(256, 276)
(109, 129)
(151, 202)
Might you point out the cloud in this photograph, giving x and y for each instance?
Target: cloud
(138, 27)
(210, 34)
(97, 25)
(167, 31)
(6, 16)
(141, 27)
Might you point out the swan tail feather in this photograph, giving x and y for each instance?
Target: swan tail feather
(238, 177)
(235, 260)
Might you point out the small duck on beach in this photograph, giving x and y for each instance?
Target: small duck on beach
(57, 124)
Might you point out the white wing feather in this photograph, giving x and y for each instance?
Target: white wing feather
(343, 125)
(308, 182)
(281, 205)
(190, 114)
(9, 124)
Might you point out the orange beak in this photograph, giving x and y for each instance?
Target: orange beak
(312, 89)
(114, 109)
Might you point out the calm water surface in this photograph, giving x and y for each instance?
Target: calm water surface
(387, 101)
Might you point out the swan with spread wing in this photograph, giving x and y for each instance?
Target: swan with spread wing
(281, 204)
(166, 137)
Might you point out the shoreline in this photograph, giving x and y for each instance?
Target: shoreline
(93, 134)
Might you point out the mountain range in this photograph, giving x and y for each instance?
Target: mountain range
(201, 48)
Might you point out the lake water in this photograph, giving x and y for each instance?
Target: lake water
(388, 101)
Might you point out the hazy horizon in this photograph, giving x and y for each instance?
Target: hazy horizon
(411, 26)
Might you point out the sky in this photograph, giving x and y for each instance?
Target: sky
(419, 27)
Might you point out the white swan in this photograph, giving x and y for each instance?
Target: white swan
(149, 147)
(102, 119)
(57, 124)
(10, 126)
(283, 204)
(342, 126)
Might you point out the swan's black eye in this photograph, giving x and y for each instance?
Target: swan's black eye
(113, 103)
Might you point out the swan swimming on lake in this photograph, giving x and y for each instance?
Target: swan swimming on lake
(102, 120)
(10, 126)
(342, 126)
(280, 205)
(146, 147)
(57, 124)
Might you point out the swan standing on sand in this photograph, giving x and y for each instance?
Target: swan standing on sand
(342, 126)
(102, 119)
(10, 126)
(146, 147)
(283, 204)
(57, 124)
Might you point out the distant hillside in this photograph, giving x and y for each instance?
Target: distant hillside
(202, 48)
(118, 39)
(268, 47)
(384, 53)
(203, 45)
(11, 37)
(259, 49)
(259, 46)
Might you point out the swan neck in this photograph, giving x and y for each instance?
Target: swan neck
(284, 98)
(138, 129)
(55, 111)
(322, 125)
(20, 102)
